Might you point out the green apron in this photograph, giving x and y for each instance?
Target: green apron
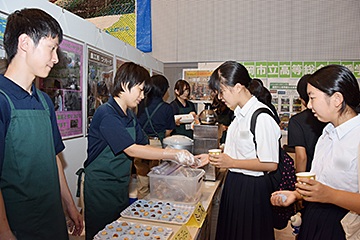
(106, 188)
(181, 130)
(30, 181)
(160, 135)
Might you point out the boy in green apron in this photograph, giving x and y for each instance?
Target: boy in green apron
(114, 139)
(32, 181)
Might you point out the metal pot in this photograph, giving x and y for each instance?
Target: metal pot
(208, 116)
(179, 142)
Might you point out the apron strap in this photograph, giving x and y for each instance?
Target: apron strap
(150, 116)
(79, 172)
(9, 100)
(43, 101)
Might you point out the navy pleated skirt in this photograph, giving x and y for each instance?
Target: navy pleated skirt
(321, 221)
(245, 209)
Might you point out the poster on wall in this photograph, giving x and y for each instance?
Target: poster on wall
(285, 99)
(119, 62)
(198, 81)
(99, 80)
(3, 61)
(64, 87)
(281, 79)
(156, 73)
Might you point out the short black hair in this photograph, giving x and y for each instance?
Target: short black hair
(180, 85)
(302, 88)
(130, 74)
(336, 78)
(159, 86)
(33, 22)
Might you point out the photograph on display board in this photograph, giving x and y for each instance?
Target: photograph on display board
(119, 63)
(3, 61)
(99, 80)
(296, 105)
(64, 87)
(274, 101)
(285, 105)
(198, 81)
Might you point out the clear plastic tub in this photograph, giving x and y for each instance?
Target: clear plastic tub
(184, 185)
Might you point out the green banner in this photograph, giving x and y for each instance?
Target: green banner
(321, 65)
(261, 70)
(250, 66)
(296, 69)
(273, 69)
(357, 69)
(348, 64)
(309, 68)
(284, 69)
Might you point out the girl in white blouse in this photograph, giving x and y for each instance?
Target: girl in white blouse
(245, 208)
(334, 97)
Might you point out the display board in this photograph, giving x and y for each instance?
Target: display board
(119, 62)
(3, 61)
(99, 80)
(64, 87)
(198, 81)
(279, 77)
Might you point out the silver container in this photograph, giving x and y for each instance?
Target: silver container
(179, 142)
(208, 116)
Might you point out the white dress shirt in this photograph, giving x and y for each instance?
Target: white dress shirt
(239, 142)
(335, 158)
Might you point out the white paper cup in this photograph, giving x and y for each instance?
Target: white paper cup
(215, 151)
(309, 175)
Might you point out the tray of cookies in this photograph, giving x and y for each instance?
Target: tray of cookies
(159, 211)
(123, 230)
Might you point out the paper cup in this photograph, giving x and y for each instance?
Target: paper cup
(305, 175)
(215, 151)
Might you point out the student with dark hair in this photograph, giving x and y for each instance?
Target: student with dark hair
(245, 209)
(115, 138)
(304, 130)
(334, 98)
(32, 184)
(224, 116)
(156, 118)
(181, 105)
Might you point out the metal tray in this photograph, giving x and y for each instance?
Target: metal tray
(131, 226)
(128, 213)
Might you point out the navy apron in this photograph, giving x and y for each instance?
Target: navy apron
(181, 130)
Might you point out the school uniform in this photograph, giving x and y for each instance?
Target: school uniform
(245, 209)
(178, 108)
(155, 117)
(107, 168)
(303, 131)
(161, 120)
(335, 165)
(29, 143)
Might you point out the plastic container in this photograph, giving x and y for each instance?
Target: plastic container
(177, 188)
(179, 142)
